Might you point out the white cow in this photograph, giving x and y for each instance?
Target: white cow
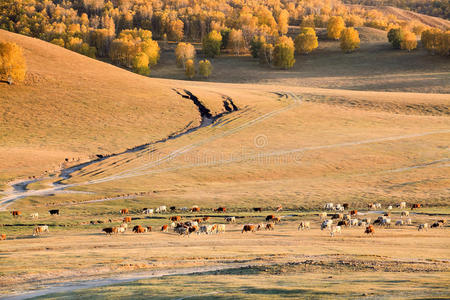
(353, 222)
(34, 215)
(402, 205)
(329, 206)
(409, 221)
(326, 224)
(386, 222)
(334, 230)
(389, 207)
(423, 226)
(404, 214)
(230, 219)
(148, 211)
(161, 209)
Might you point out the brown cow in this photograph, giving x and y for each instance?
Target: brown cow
(193, 229)
(269, 218)
(221, 209)
(343, 223)
(124, 211)
(195, 209)
(149, 228)
(279, 208)
(198, 220)
(2, 237)
(110, 230)
(387, 214)
(353, 212)
(248, 228)
(206, 219)
(257, 209)
(16, 213)
(139, 229)
(165, 228)
(416, 205)
(270, 226)
(370, 230)
(127, 219)
(345, 206)
(175, 218)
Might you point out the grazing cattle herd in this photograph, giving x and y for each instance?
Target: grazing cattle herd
(335, 222)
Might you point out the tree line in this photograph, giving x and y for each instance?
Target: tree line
(125, 31)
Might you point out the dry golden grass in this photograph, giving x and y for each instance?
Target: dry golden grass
(73, 106)
(90, 254)
(301, 150)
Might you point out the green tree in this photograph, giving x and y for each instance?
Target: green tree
(12, 63)
(256, 44)
(189, 69)
(225, 33)
(306, 41)
(266, 54)
(58, 42)
(335, 26)
(205, 68)
(211, 44)
(395, 36)
(349, 39)
(283, 53)
(140, 64)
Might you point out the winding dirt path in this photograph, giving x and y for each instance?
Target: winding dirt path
(138, 171)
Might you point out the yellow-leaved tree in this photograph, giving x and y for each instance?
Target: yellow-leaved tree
(12, 63)
(140, 64)
(335, 26)
(349, 39)
(409, 41)
(306, 41)
(183, 52)
(189, 69)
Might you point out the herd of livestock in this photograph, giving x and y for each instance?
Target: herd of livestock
(334, 219)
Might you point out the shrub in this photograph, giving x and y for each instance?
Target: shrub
(349, 39)
(189, 69)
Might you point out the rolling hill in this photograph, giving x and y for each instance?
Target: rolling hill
(185, 134)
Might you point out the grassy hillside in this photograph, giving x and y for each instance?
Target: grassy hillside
(72, 106)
